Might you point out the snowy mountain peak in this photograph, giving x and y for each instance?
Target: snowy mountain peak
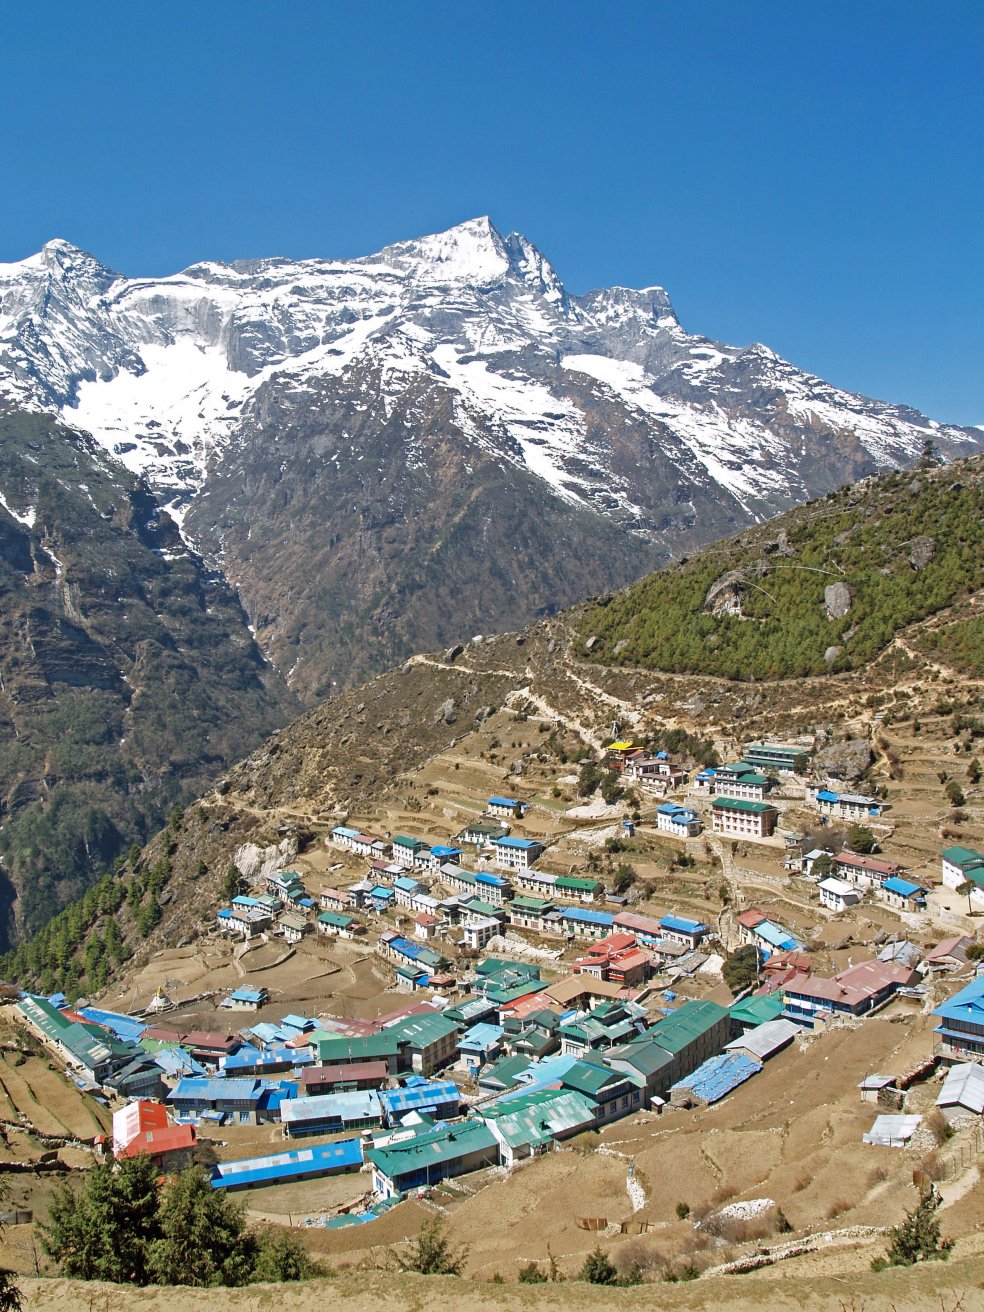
(170, 374)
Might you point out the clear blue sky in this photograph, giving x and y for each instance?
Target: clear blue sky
(807, 175)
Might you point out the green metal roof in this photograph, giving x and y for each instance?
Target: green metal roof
(421, 1031)
(740, 804)
(643, 1055)
(536, 904)
(336, 918)
(757, 1010)
(586, 1078)
(539, 1117)
(432, 1148)
(577, 885)
(686, 1024)
(344, 1048)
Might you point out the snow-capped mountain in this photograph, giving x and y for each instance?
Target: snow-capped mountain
(279, 406)
(164, 371)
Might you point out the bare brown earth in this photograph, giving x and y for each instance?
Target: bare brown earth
(954, 1287)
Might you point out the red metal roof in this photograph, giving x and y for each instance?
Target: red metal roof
(153, 1142)
(356, 1070)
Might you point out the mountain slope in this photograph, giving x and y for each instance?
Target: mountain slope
(825, 587)
(394, 451)
(128, 677)
(371, 753)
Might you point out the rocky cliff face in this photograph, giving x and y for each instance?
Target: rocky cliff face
(390, 452)
(128, 676)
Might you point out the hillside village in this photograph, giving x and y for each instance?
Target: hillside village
(628, 942)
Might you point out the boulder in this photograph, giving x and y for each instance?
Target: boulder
(831, 654)
(921, 551)
(847, 761)
(726, 594)
(452, 653)
(838, 598)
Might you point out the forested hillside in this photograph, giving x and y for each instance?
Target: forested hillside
(822, 588)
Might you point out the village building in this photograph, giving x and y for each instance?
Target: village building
(755, 928)
(415, 962)
(427, 1042)
(949, 955)
(478, 1046)
(788, 758)
(246, 999)
(847, 806)
(683, 930)
(647, 929)
(347, 1075)
(426, 926)
(405, 850)
(238, 1099)
(247, 921)
(480, 834)
(960, 1034)
(507, 806)
(533, 913)
(902, 894)
(486, 884)
(342, 836)
(962, 1093)
(655, 773)
(863, 871)
(369, 845)
(143, 1128)
(855, 991)
(331, 1113)
(584, 923)
(740, 780)
(406, 889)
(962, 865)
(838, 894)
(333, 899)
(617, 957)
(337, 924)
(744, 819)
(438, 1153)
(680, 821)
(529, 1124)
(292, 926)
(517, 853)
(287, 1168)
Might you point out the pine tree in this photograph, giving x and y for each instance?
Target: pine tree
(916, 1238)
(598, 1269)
(204, 1240)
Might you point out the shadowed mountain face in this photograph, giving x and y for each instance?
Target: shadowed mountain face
(128, 677)
(399, 451)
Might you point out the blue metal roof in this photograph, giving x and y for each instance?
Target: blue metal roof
(825, 795)
(285, 1166)
(902, 886)
(517, 842)
(124, 1027)
(360, 1105)
(590, 917)
(248, 995)
(418, 1097)
(480, 1036)
(504, 801)
(776, 936)
(405, 884)
(683, 925)
(215, 1090)
(495, 881)
(967, 1005)
(719, 1075)
(442, 852)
